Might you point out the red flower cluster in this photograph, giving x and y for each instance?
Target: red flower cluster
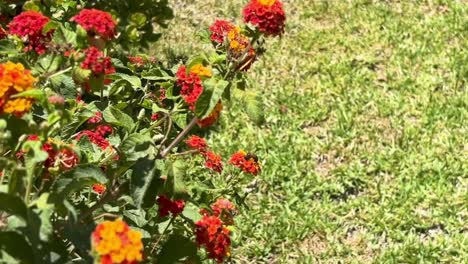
(99, 188)
(167, 206)
(65, 158)
(191, 86)
(104, 130)
(96, 22)
(214, 236)
(219, 30)
(97, 118)
(29, 25)
(267, 15)
(213, 161)
(95, 137)
(213, 117)
(196, 143)
(97, 62)
(225, 210)
(246, 162)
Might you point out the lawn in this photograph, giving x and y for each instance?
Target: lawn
(365, 147)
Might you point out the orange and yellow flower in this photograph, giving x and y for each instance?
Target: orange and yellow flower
(14, 78)
(201, 71)
(115, 242)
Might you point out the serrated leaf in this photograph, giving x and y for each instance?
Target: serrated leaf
(174, 185)
(136, 146)
(144, 173)
(116, 117)
(176, 248)
(156, 75)
(137, 216)
(134, 81)
(77, 179)
(254, 107)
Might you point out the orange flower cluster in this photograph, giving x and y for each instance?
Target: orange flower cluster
(14, 78)
(114, 242)
(247, 162)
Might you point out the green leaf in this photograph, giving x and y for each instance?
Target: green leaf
(212, 93)
(156, 75)
(50, 26)
(34, 93)
(116, 117)
(254, 107)
(176, 248)
(50, 63)
(134, 81)
(7, 47)
(174, 185)
(199, 59)
(137, 216)
(143, 180)
(77, 179)
(136, 146)
(16, 246)
(13, 205)
(64, 85)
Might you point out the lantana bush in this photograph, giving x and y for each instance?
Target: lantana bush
(101, 158)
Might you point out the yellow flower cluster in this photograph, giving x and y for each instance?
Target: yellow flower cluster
(115, 242)
(238, 43)
(14, 78)
(201, 70)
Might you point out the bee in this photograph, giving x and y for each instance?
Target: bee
(250, 156)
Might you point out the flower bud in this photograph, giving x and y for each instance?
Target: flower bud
(141, 115)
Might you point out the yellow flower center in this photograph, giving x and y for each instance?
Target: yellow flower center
(201, 70)
(266, 2)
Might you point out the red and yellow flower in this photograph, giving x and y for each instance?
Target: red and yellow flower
(114, 242)
(247, 162)
(267, 15)
(166, 206)
(220, 29)
(213, 161)
(14, 78)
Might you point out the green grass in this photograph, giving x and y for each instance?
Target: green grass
(365, 147)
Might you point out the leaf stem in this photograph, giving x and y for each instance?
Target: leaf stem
(162, 235)
(179, 137)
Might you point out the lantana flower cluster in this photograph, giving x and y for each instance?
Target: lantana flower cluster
(99, 134)
(267, 15)
(96, 22)
(114, 242)
(212, 160)
(58, 155)
(167, 206)
(211, 231)
(29, 26)
(97, 62)
(247, 162)
(191, 84)
(14, 78)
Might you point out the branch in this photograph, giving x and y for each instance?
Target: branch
(179, 137)
(108, 196)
